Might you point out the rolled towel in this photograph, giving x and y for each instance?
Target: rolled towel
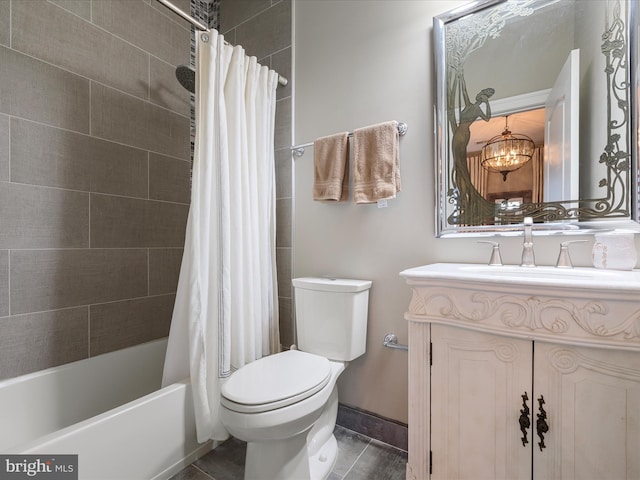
(331, 168)
(376, 162)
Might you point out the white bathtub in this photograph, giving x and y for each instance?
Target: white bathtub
(109, 411)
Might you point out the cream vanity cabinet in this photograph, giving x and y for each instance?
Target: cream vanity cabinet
(521, 374)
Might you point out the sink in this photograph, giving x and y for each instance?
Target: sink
(582, 277)
(581, 306)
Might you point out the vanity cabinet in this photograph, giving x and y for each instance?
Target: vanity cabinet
(592, 400)
(521, 380)
(476, 383)
(507, 408)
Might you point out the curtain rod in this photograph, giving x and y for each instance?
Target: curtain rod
(298, 150)
(281, 80)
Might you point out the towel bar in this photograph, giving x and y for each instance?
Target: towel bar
(391, 341)
(298, 150)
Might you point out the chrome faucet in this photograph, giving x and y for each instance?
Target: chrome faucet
(528, 257)
(564, 260)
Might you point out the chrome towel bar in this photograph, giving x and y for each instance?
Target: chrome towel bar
(391, 341)
(298, 150)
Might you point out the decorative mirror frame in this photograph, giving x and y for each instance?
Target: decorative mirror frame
(618, 210)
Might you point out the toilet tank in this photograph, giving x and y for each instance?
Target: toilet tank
(331, 316)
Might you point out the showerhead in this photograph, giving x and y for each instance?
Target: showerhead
(186, 75)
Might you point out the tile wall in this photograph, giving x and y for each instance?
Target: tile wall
(94, 176)
(263, 28)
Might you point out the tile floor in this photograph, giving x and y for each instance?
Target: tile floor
(359, 458)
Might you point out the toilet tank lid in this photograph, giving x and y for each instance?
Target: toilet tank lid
(330, 284)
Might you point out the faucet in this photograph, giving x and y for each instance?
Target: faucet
(528, 258)
(564, 260)
(496, 258)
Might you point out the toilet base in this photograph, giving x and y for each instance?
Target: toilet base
(321, 464)
(278, 460)
(289, 459)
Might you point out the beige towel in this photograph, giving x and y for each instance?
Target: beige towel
(331, 168)
(376, 167)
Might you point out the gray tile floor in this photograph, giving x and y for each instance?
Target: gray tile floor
(359, 458)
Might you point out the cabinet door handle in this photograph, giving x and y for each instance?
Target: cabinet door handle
(524, 420)
(541, 423)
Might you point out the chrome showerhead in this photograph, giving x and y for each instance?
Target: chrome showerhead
(186, 75)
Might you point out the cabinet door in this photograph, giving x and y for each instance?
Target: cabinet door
(477, 384)
(592, 403)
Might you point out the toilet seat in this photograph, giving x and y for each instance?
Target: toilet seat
(275, 381)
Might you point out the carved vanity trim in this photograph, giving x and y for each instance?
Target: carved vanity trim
(576, 315)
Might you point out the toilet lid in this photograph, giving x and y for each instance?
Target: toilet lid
(275, 381)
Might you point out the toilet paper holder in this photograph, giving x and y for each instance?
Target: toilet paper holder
(391, 341)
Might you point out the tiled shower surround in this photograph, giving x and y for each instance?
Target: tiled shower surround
(95, 166)
(94, 177)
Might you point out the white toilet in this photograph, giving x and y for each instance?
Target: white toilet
(285, 405)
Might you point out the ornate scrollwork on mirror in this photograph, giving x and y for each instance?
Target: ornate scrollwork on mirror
(536, 115)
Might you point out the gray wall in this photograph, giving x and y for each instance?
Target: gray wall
(263, 28)
(357, 63)
(94, 176)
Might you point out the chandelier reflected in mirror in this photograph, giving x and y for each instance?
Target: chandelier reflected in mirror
(507, 152)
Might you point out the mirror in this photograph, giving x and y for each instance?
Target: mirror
(536, 116)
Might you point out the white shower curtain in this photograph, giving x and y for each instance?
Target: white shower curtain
(225, 313)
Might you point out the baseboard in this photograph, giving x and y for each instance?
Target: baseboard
(373, 426)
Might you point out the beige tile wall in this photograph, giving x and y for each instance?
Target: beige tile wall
(4, 283)
(94, 176)
(4, 148)
(263, 28)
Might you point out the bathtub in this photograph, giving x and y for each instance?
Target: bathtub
(109, 410)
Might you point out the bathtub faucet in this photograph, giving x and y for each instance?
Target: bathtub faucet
(528, 257)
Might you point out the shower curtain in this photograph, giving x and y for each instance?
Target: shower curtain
(225, 314)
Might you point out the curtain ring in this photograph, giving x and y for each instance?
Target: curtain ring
(205, 37)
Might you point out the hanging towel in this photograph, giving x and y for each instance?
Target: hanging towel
(376, 162)
(331, 168)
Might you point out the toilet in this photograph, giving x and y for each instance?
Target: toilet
(285, 405)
